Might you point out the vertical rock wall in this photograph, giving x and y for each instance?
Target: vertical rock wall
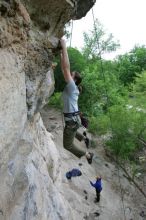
(29, 160)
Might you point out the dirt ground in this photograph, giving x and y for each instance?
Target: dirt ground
(120, 199)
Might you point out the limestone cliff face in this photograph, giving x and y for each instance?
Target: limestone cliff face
(29, 160)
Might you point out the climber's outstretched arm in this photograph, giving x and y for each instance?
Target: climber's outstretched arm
(65, 64)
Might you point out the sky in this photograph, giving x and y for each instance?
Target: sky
(125, 19)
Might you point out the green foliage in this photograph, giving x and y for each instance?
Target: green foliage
(98, 125)
(129, 119)
(100, 89)
(56, 101)
(139, 91)
(98, 42)
(127, 71)
(131, 64)
(126, 126)
(111, 107)
(139, 57)
(91, 91)
(77, 61)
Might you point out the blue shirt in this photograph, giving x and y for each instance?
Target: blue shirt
(97, 185)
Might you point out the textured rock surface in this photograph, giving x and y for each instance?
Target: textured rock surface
(29, 161)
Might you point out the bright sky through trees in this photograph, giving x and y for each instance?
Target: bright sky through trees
(125, 19)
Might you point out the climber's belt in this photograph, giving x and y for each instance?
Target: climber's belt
(71, 114)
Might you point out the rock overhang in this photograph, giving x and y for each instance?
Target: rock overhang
(52, 15)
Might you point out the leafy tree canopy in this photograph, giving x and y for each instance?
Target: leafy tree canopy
(131, 64)
(98, 42)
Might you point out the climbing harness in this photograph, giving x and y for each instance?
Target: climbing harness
(71, 114)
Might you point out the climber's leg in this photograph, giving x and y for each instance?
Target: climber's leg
(69, 134)
(79, 136)
(84, 137)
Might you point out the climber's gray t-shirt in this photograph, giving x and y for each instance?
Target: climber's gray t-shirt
(70, 97)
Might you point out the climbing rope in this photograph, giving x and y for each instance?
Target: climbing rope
(108, 101)
(71, 33)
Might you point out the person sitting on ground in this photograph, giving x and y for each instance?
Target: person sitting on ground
(98, 187)
(70, 106)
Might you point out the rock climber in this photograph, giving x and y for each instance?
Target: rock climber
(70, 106)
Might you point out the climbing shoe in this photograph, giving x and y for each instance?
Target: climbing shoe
(89, 157)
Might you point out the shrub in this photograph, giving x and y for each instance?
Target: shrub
(126, 126)
(55, 100)
(99, 124)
